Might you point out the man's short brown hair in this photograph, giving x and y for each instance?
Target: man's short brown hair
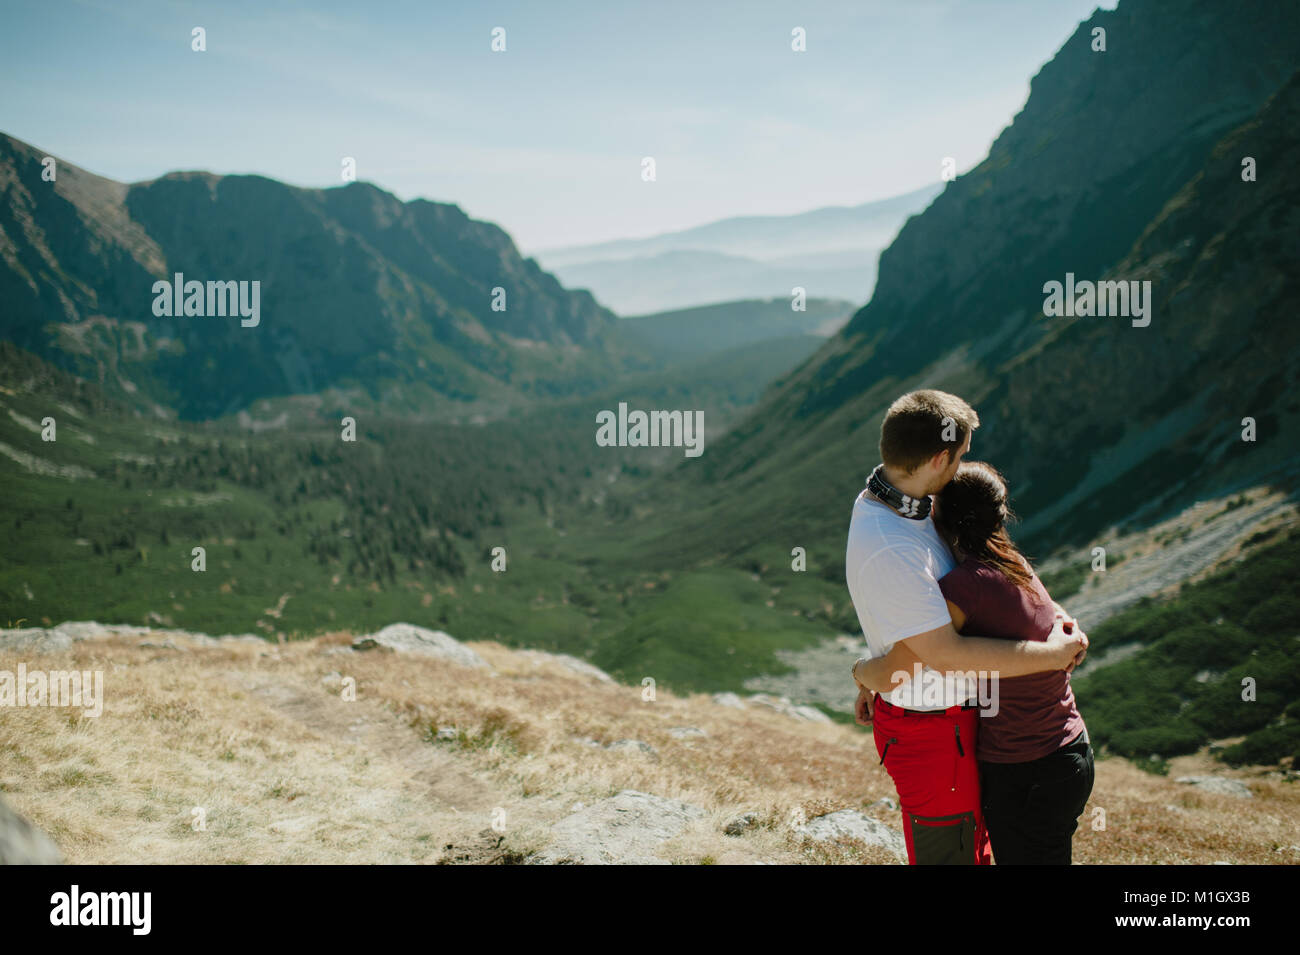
(916, 424)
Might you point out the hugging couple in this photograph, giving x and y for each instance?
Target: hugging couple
(942, 595)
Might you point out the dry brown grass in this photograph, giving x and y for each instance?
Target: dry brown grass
(287, 771)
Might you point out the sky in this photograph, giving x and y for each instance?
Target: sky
(546, 138)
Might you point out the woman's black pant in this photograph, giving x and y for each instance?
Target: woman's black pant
(1032, 809)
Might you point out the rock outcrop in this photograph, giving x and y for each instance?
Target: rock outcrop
(62, 636)
(408, 638)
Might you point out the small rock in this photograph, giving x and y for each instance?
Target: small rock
(851, 824)
(625, 829)
(782, 704)
(296, 824)
(729, 699)
(568, 662)
(886, 803)
(809, 713)
(333, 678)
(686, 732)
(778, 703)
(1219, 785)
(741, 824)
(632, 746)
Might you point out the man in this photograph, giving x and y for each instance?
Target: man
(925, 728)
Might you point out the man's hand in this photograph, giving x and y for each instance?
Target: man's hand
(1072, 626)
(887, 673)
(1068, 641)
(865, 707)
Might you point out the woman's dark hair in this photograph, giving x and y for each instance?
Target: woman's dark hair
(972, 517)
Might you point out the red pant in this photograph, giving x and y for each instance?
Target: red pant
(932, 761)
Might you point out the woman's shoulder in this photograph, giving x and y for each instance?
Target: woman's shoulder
(1039, 587)
(977, 569)
(966, 575)
(973, 572)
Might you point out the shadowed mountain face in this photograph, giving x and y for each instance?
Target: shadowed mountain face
(1103, 142)
(356, 287)
(1161, 410)
(1123, 165)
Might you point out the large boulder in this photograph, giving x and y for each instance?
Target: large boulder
(21, 843)
(625, 829)
(408, 638)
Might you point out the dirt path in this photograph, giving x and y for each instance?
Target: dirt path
(364, 727)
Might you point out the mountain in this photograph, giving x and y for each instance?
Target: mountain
(1113, 169)
(830, 252)
(359, 292)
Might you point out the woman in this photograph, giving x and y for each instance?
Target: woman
(1035, 762)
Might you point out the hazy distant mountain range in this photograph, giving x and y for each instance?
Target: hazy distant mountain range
(830, 252)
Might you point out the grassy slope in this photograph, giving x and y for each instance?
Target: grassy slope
(305, 533)
(1184, 687)
(693, 332)
(286, 771)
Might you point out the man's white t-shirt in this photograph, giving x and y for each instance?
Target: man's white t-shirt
(893, 565)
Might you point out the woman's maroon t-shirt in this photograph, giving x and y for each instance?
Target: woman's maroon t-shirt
(1036, 713)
